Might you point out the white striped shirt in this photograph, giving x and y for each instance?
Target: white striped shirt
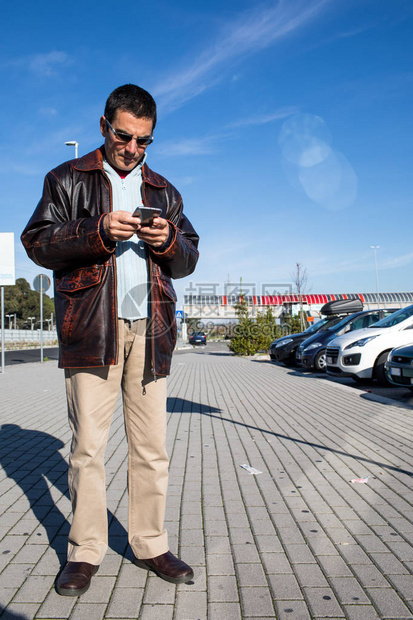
(131, 263)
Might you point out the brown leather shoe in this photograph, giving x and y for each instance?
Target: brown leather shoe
(75, 578)
(167, 567)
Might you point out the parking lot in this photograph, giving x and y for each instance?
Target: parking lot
(290, 495)
(403, 396)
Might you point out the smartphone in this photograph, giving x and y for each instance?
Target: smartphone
(146, 214)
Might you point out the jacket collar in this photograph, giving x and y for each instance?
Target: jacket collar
(94, 161)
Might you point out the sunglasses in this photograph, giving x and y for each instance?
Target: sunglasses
(126, 137)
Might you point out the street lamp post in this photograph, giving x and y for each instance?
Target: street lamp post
(10, 317)
(375, 248)
(73, 143)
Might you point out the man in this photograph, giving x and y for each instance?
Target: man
(115, 314)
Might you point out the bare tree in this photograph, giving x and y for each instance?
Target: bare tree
(300, 278)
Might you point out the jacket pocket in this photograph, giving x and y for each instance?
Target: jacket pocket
(167, 287)
(76, 300)
(79, 279)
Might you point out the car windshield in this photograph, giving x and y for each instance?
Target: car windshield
(316, 326)
(338, 326)
(322, 325)
(394, 319)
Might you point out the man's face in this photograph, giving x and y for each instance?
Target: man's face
(121, 155)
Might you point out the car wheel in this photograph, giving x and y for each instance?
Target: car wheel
(320, 362)
(379, 372)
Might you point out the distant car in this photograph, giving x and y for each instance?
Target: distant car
(197, 338)
(283, 349)
(363, 355)
(312, 352)
(399, 367)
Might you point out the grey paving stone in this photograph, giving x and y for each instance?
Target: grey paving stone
(310, 576)
(268, 544)
(194, 556)
(100, 589)
(334, 566)
(241, 536)
(285, 587)
(191, 605)
(21, 611)
(7, 595)
(323, 603)
(222, 589)
(110, 565)
(34, 590)
(251, 575)
(256, 602)
(388, 603)
(192, 538)
(220, 564)
(245, 553)
(125, 603)
(227, 611)
(361, 612)
(293, 610)
(160, 592)
(348, 590)
(388, 564)
(30, 554)
(353, 554)
(14, 575)
(156, 612)
(88, 611)
(217, 544)
(370, 576)
(49, 564)
(276, 563)
(56, 606)
(403, 585)
(215, 528)
(300, 554)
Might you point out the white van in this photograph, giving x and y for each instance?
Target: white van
(362, 355)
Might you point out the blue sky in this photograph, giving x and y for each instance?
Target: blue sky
(287, 126)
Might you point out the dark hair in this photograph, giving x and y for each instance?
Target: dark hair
(133, 99)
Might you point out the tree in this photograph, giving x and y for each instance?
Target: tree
(300, 278)
(21, 300)
(253, 335)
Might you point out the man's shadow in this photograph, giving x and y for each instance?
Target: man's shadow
(32, 459)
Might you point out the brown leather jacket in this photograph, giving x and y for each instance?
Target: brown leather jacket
(65, 234)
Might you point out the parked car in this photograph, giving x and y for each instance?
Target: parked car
(311, 353)
(197, 338)
(399, 367)
(363, 355)
(284, 349)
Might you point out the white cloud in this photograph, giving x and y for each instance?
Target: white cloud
(47, 112)
(253, 31)
(189, 146)
(263, 119)
(397, 261)
(42, 65)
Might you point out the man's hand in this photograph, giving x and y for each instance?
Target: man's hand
(155, 235)
(121, 225)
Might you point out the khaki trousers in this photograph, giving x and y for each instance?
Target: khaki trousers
(91, 396)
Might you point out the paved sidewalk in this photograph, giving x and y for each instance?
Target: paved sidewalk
(297, 541)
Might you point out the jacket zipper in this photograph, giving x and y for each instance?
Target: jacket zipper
(151, 318)
(113, 259)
